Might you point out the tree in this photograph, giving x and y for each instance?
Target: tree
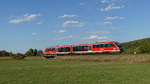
(40, 53)
(4, 53)
(29, 52)
(35, 51)
(145, 48)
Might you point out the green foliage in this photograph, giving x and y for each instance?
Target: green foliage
(34, 52)
(5, 53)
(29, 52)
(39, 53)
(139, 46)
(145, 48)
(19, 56)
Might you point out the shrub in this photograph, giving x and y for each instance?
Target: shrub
(19, 56)
(4, 53)
(145, 48)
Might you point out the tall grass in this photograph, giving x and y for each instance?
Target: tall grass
(127, 58)
(141, 58)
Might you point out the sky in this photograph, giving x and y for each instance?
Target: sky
(39, 24)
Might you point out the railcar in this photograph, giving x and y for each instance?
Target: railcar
(91, 48)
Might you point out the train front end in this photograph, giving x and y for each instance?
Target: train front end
(49, 52)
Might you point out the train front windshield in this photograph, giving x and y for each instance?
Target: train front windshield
(120, 46)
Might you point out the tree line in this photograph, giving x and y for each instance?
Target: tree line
(30, 52)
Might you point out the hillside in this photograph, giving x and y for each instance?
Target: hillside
(139, 46)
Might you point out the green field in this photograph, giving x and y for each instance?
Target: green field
(42, 71)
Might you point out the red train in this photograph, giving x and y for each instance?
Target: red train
(103, 47)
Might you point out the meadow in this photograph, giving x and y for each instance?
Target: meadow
(111, 69)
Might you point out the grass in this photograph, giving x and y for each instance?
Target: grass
(124, 58)
(141, 58)
(67, 70)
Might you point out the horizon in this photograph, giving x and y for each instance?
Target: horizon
(38, 24)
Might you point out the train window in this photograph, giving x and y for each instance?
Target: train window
(67, 49)
(50, 49)
(109, 45)
(64, 49)
(60, 49)
(81, 48)
(98, 46)
(76, 48)
(106, 45)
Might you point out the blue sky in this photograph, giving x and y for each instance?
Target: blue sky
(38, 24)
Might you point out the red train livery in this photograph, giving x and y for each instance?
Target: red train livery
(103, 47)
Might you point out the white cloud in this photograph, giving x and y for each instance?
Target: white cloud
(111, 7)
(61, 31)
(34, 33)
(73, 24)
(24, 18)
(114, 18)
(67, 16)
(98, 32)
(81, 4)
(39, 23)
(92, 37)
(106, 23)
(108, 1)
(105, 1)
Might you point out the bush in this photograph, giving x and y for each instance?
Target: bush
(145, 48)
(19, 56)
(4, 53)
(140, 46)
(34, 52)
